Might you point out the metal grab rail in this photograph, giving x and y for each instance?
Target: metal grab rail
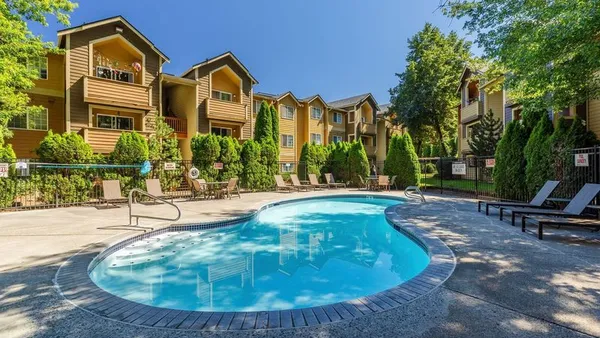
(414, 192)
(144, 193)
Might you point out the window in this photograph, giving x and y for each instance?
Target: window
(114, 74)
(30, 121)
(114, 122)
(315, 113)
(220, 131)
(351, 117)
(315, 138)
(287, 112)
(337, 138)
(40, 65)
(287, 141)
(257, 104)
(288, 167)
(350, 138)
(224, 96)
(337, 118)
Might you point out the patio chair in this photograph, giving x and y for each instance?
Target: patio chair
(383, 182)
(331, 181)
(296, 183)
(393, 182)
(111, 192)
(540, 221)
(280, 184)
(314, 181)
(199, 188)
(537, 201)
(362, 183)
(153, 188)
(232, 185)
(574, 209)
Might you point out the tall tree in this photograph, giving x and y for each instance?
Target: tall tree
(509, 172)
(264, 123)
(547, 46)
(275, 128)
(19, 44)
(538, 154)
(485, 135)
(426, 93)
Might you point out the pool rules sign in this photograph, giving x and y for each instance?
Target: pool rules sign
(582, 160)
(3, 169)
(459, 168)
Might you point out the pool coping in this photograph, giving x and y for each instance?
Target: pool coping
(73, 282)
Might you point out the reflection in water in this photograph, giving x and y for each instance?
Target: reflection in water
(295, 255)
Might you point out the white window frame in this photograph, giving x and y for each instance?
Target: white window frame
(220, 94)
(115, 117)
(313, 109)
(285, 111)
(219, 127)
(313, 138)
(37, 64)
(27, 122)
(337, 138)
(257, 104)
(288, 169)
(341, 120)
(287, 142)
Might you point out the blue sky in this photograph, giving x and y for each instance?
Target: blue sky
(336, 48)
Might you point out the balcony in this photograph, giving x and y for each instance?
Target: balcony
(103, 140)
(116, 93)
(368, 128)
(226, 111)
(371, 150)
(471, 112)
(178, 125)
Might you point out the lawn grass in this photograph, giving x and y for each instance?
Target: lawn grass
(466, 185)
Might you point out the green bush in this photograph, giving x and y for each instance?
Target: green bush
(538, 155)
(254, 172)
(205, 152)
(8, 185)
(275, 126)
(269, 158)
(263, 129)
(391, 166)
(409, 167)
(509, 171)
(358, 163)
(131, 148)
(230, 157)
(430, 168)
(68, 148)
(314, 159)
(339, 161)
(71, 189)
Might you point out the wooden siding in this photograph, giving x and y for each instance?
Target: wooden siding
(103, 140)
(317, 126)
(471, 111)
(594, 116)
(288, 127)
(368, 128)
(116, 93)
(182, 103)
(337, 127)
(226, 111)
(79, 67)
(55, 84)
(494, 102)
(25, 142)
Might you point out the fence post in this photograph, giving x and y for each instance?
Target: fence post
(476, 177)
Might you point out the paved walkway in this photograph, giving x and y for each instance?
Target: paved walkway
(506, 283)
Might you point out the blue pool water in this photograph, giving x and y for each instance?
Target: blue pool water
(302, 254)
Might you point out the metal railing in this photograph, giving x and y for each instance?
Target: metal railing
(152, 197)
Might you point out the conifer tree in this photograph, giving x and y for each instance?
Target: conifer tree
(264, 124)
(538, 154)
(509, 171)
(358, 162)
(485, 135)
(409, 172)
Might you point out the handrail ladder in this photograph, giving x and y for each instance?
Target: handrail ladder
(155, 198)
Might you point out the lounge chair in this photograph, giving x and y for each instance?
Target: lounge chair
(314, 181)
(153, 188)
(296, 183)
(331, 181)
(111, 192)
(199, 188)
(232, 185)
(540, 221)
(573, 209)
(383, 182)
(280, 184)
(537, 201)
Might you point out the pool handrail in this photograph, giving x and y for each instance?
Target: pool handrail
(155, 198)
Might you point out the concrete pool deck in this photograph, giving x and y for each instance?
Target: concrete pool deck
(506, 283)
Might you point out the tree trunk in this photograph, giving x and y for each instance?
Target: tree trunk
(438, 130)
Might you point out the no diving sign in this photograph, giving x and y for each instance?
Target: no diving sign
(582, 160)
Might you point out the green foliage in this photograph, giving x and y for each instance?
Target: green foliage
(409, 172)
(453, 146)
(425, 97)
(430, 168)
(206, 150)
(68, 148)
(358, 162)
(531, 116)
(8, 186)
(392, 163)
(485, 135)
(230, 157)
(338, 159)
(314, 159)
(263, 129)
(131, 148)
(65, 189)
(254, 173)
(538, 154)
(275, 126)
(547, 46)
(161, 145)
(509, 171)
(18, 43)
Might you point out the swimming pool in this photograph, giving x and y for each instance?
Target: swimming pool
(291, 255)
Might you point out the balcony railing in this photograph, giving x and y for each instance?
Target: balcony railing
(116, 93)
(471, 112)
(179, 126)
(226, 110)
(368, 128)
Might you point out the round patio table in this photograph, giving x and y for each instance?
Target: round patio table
(213, 187)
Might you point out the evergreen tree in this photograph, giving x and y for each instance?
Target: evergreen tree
(161, 145)
(264, 124)
(269, 160)
(302, 163)
(253, 173)
(409, 172)
(531, 116)
(358, 162)
(131, 148)
(485, 135)
(205, 152)
(509, 171)
(392, 165)
(275, 125)
(538, 154)
(339, 161)
(230, 157)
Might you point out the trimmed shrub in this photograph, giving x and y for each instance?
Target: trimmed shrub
(68, 148)
(8, 185)
(358, 162)
(263, 129)
(430, 168)
(538, 155)
(391, 166)
(338, 161)
(509, 171)
(205, 152)
(531, 116)
(313, 160)
(230, 157)
(409, 166)
(161, 145)
(254, 173)
(131, 148)
(58, 188)
(275, 126)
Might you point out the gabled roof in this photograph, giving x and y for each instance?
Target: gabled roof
(383, 109)
(311, 98)
(219, 57)
(269, 95)
(353, 101)
(97, 23)
(278, 97)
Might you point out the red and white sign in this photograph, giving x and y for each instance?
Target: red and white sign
(218, 166)
(582, 160)
(490, 162)
(170, 166)
(3, 169)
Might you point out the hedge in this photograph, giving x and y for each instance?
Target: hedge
(205, 152)
(131, 148)
(68, 147)
(538, 155)
(358, 162)
(509, 171)
(254, 173)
